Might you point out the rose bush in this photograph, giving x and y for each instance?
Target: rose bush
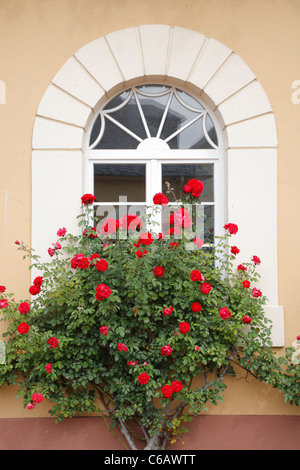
(128, 332)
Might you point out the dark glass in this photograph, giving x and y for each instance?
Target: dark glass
(177, 175)
(114, 180)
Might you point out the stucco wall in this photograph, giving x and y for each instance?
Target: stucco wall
(38, 37)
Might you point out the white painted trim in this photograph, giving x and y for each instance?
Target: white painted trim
(182, 58)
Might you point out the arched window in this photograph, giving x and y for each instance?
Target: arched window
(64, 164)
(148, 139)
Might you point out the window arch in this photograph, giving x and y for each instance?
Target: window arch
(197, 64)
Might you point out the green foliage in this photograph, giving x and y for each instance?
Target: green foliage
(89, 373)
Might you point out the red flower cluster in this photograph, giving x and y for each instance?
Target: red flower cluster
(3, 303)
(2, 288)
(102, 292)
(234, 250)
(90, 232)
(232, 228)
(24, 307)
(194, 187)
(140, 253)
(143, 378)
(246, 319)
(23, 328)
(196, 307)
(36, 287)
(122, 347)
(246, 284)
(87, 199)
(205, 288)
(256, 292)
(130, 222)
(256, 260)
(159, 271)
(167, 311)
(160, 199)
(103, 330)
(61, 232)
(168, 390)
(224, 313)
(48, 368)
(184, 327)
(166, 350)
(53, 342)
(102, 265)
(197, 276)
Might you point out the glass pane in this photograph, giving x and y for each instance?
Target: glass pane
(130, 118)
(176, 118)
(209, 223)
(114, 137)
(153, 109)
(111, 181)
(177, 175)
(192, 137)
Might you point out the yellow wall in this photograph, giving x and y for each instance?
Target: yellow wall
(38, 36)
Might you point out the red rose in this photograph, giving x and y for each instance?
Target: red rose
(196, 307)
(184, 327)
(2, 288)
(246, 284)
(122, 347)
(130, 363)
(3, 303)
(256, 292)
(83, 263)
(167, 391)
(102, 265)
(205, 288)
(246, 319)
(34, 290)
(102, 292)
(166, 350)
(195, 187)
(48, 368)
(167, 311)
(75, 259)
(61, 232)
(177, 386)
(53, 342)
(38, 281)
(160, 199)
(146, 238)
(37, 398)
(23, 328)
(256, 260)
(235, 250)
(232, 228)
(30, 406)
(143, 378)
(24, 307)
(109, 226)
(130, 222)
(224, 313)
(159, 271)
(90, 232)
(87, 199)
(197, 276)
(103, 330)
(140, 253)
(51, 251)
(241, 268)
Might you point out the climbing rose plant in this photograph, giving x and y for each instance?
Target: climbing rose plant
(141, 329)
